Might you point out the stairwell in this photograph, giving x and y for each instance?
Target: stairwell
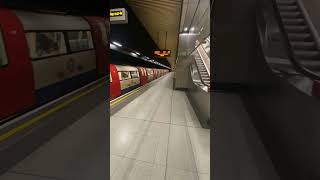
(303, 44)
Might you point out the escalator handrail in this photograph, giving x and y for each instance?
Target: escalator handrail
(297, 65)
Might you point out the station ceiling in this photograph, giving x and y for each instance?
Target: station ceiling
(76, 7)
(160, 17)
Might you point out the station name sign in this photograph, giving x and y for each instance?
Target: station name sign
(162, 53)
(118, 16)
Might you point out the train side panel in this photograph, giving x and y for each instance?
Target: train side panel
(16, 75)
(150, 74)
(62, 52)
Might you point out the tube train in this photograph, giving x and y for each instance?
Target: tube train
(126, 78)
(44, 56)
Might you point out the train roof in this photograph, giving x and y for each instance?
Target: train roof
(126, 68)
(33, 21)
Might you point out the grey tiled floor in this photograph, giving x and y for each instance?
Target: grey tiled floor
(157, 136)
(76, 153)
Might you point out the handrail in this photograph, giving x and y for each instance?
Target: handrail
(297, 65)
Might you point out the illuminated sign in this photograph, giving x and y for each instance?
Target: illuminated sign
(118, 16)
(116, 13)
(162, 53)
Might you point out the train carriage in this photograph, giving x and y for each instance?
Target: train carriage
(124, 79)
(44, 56)
(129, 78)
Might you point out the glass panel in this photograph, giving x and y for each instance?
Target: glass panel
(110, 78)
(3, 54)
(149, 71)
(124, 75)
(44, 44)
(80, 40)
(134, 74)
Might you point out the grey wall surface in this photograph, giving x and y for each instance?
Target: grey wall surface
(182, 71)
(313, 7)
(238, 153)
(234, 34)
(286, 119)
(237, 150)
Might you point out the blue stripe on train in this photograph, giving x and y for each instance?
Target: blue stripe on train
(129, 89)
(61, 88)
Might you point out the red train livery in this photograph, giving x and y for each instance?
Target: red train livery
(124, 79)
(44, 56)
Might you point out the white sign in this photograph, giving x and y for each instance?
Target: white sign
(118, 16)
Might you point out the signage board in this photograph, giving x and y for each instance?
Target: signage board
(118, 16)
(162, 53)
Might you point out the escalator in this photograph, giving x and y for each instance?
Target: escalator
(199, 84)
(286, 113)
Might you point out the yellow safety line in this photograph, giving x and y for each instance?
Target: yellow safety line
(116, 101)
(45, 114)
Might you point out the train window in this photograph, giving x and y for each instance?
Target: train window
(3, 53)
(150, 72)
(44, 44)
(123, 75)
(110, 78)
(134, 74)
(80, 40)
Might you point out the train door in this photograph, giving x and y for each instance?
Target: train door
(100, 35)
(16, 76)
(114, 82)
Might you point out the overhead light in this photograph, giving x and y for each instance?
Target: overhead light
(138, 53)
(117, 44)
(189, 34)
(185, 29)
(112, 46)
(133, 54)
(192, 29)
(201, 29)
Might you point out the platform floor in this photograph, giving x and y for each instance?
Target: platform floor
(76, 153)
(157, 136)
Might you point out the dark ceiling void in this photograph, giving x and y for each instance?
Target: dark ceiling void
(74, 7)
(123, 59)
(134, 35)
